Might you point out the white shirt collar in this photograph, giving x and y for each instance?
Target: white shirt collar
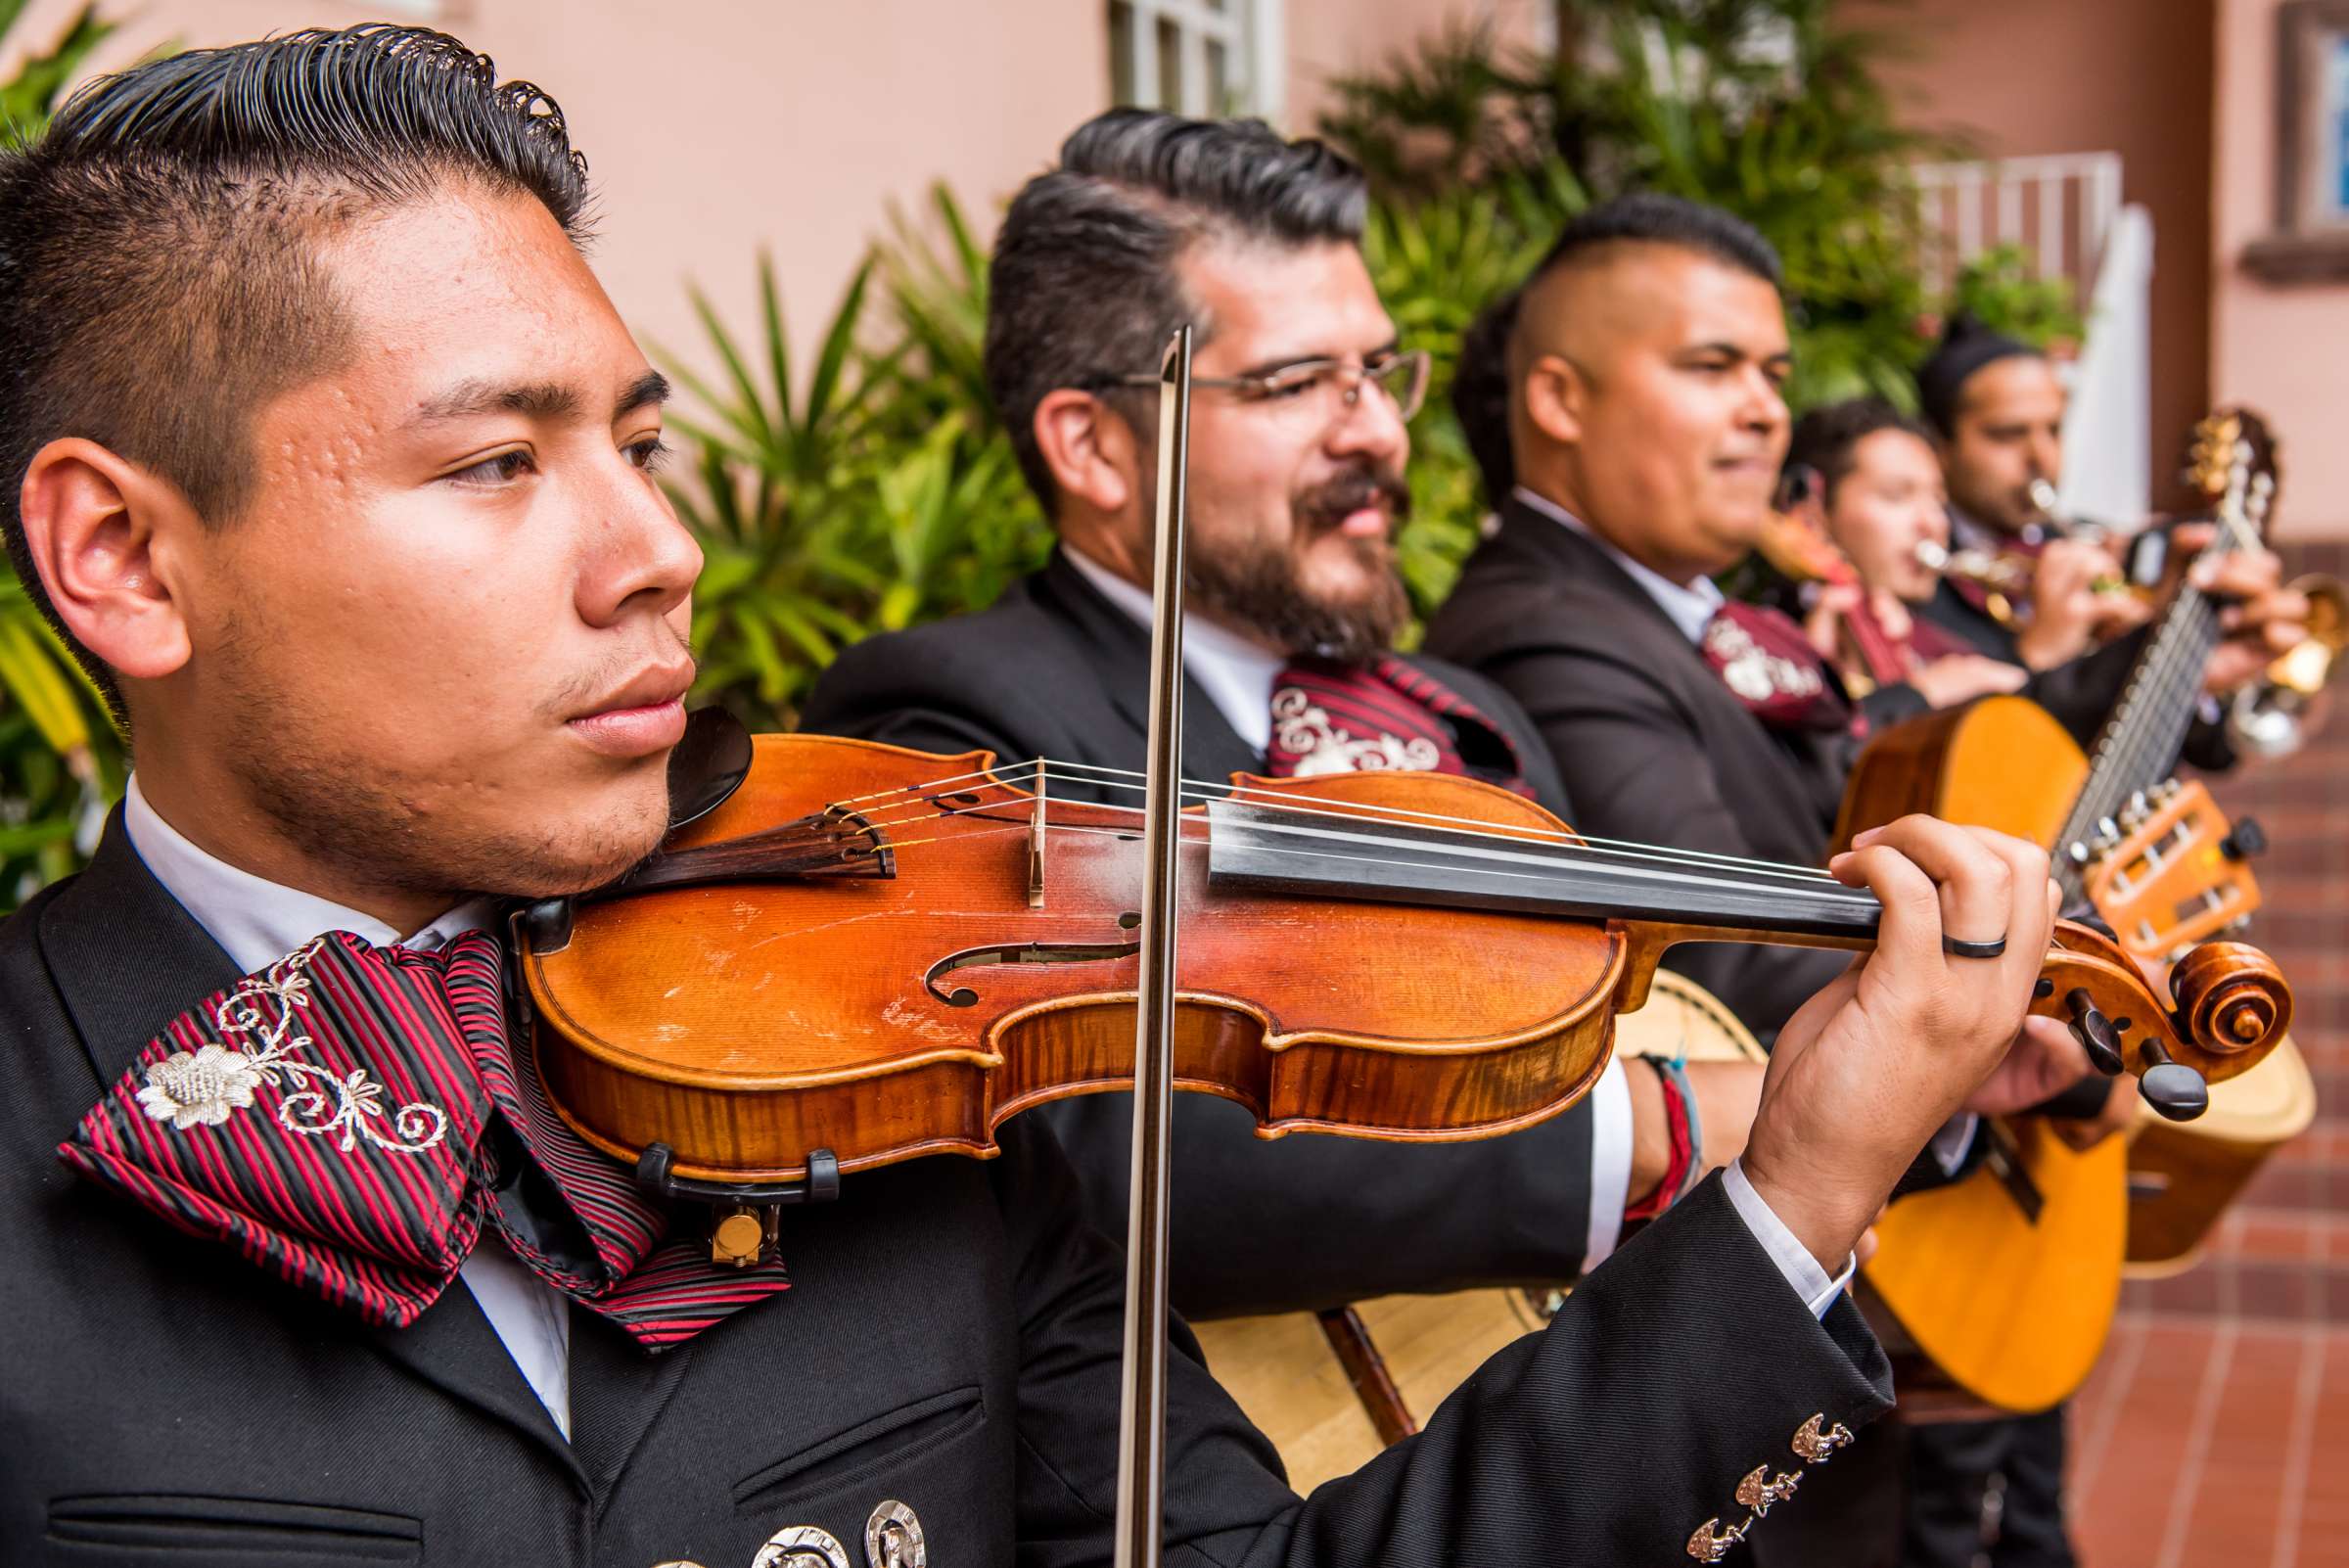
(1237, 674)
(257, 922)
(1689, 606)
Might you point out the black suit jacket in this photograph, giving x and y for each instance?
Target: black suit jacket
(951, 1340)
(1053, 670)
(1654, 749)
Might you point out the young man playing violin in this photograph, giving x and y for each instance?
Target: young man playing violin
(329, 456)
(1297, 450)
(1646, 430)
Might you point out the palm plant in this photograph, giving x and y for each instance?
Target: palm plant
(874, 495)
(61, 760)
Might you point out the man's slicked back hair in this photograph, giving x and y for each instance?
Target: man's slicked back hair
(1650, 217)
(1827, 439)
(159, 281)
(1083, 284)
(1483, 397)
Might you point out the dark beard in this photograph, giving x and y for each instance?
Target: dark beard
(1257, 585)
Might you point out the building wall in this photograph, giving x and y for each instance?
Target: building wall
(2278, 347)
(2132, 77)
(719, 128)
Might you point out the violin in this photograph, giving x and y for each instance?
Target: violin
(868, 954)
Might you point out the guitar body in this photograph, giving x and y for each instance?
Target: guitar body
(2013, 1309)
(2002, 762)
(2183, 1175)
(1291, 1383)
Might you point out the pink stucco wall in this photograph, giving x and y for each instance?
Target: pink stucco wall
(2132, 77)
(2281, 348)
(718, 127)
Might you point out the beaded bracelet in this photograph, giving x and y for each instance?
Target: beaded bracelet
(1686, 1165)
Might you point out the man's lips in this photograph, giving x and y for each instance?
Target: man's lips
(644, 716)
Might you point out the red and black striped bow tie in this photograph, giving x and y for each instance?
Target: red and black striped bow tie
(353, 1116)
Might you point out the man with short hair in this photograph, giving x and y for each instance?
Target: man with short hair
(1297, 451)
(1648, 430)
(1996, 406)
(325, 449)
(1647, 426)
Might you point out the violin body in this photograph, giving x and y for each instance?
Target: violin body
(757, 1020)
(869, 954)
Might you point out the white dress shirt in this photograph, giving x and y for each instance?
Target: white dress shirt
(1238, 676)
(256, 923)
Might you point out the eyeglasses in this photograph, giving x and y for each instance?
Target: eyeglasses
(1324, 390)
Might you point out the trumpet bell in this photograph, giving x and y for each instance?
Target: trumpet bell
(2268, 717)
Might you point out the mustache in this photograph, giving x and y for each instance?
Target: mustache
(1325, 504)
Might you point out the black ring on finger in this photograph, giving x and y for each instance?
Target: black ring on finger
(1958, 949)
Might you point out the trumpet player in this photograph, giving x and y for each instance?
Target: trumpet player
(2040, 597)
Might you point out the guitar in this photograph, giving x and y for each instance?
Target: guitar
(2007, 1280)
(1330, 1395)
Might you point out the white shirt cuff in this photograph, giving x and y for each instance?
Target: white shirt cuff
(1956, 1138)
(1794, 1260)
(1610, 1162)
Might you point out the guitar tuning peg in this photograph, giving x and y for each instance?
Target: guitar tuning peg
(2135, 812)
(2248, 840)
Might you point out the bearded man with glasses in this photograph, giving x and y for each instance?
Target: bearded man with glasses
(1303, 394)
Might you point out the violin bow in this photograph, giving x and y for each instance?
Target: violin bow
(1142, 1406)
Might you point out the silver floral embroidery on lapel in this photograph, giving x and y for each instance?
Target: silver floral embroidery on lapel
(207, 1085)
(1302, 728)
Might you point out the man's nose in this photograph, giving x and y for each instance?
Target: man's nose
(1372, 424)
(647, 559)
(1764, 406)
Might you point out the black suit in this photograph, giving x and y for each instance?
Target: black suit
(950, 1340)
(1653, 748)
(1053, 670)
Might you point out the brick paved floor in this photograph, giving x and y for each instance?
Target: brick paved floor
(2215, 1433)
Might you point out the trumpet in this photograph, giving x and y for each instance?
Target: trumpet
(2010, 575)
(2267, 718)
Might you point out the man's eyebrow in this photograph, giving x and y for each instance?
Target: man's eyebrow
(468, 398)
(1274, 366)
(648, 390)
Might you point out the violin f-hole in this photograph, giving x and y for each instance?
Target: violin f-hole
(1018, 952)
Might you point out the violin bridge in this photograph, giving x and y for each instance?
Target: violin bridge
(1036, 843)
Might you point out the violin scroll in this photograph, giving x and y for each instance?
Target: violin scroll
(2232, 999)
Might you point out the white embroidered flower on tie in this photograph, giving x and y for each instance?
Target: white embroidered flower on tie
(187, 1089)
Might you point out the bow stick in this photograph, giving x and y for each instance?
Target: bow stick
(1142, 1409)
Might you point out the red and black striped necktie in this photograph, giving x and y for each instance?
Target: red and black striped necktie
(351, 1116)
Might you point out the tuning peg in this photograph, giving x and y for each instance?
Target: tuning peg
(2248, 840)
(2095, 1033)
(2174, 1090)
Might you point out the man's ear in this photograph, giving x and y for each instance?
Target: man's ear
(101, 533)
(1090, 448)
(1557, 394)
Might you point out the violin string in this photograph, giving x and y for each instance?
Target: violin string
(1757, 874)
(920, 796)
(1858, 900)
